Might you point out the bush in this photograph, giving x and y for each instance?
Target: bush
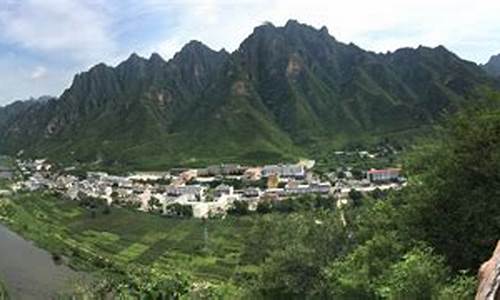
(239, 208)
(356, 197)
(462, 287)
(354, 276)
(420, 275)
(264, 207)
(451, 202)
(179, 210)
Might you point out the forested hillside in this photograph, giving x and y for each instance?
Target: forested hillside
(284, 91)
(425, 241)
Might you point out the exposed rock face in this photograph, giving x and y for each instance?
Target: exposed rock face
(282, 91)
(489, 278)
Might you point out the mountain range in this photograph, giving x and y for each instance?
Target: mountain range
(493, 66)
(283, 93)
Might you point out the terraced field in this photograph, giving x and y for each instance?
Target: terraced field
(207, 250)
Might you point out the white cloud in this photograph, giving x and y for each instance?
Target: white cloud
(74, 28)
(38, 72)
(375, 25)
(72, 35)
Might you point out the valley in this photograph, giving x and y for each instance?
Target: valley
(295, 166)
(286, 93)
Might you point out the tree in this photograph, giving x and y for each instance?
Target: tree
(179, 210)
(106, 210)
(264, 207)
(289, 273)
(462, 287)
(261, 240)
(114, 195)
(357, 174)
(420, 275)
(294, 250)
(453, 189)
(239, 208)
(378, 194)
(355, 275)
(155, 205)
(356, 197)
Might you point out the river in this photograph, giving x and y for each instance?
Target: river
(30, 272)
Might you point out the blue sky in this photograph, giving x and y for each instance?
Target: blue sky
(44, 43)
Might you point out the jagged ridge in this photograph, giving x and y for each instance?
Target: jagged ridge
(284, 90)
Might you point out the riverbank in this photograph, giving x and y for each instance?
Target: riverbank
(29, 272)
(121, 240)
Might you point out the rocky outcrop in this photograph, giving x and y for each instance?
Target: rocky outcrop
(282, 91)
(489, 278)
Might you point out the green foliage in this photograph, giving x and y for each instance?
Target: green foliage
(405, 244)
(420, 275)
(304, 203)
(451, 200)
(289, 273)
(357, 174)
(296, 204)
(155, 206)
(206, 251)
(134, 283)
(356, 197)
(292, 251)
(239, 208)
(3, 292)
(462, 287)
(179, 210)
(248, 106)
(354, 276)
(264, 207)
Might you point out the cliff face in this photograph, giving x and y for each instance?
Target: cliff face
(489, 278)
(285, 92)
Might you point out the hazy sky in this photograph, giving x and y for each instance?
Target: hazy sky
(43, 43)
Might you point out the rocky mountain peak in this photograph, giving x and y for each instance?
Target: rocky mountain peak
(493, 66)
(284, 87)
(156, 58)
(193, 48)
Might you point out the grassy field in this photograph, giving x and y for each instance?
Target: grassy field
(207, 251)
(3, 292)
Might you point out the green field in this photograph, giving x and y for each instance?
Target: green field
(207, 251)
(3, 292)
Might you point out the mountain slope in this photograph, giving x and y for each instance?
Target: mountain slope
(285, 90)
(493, 66)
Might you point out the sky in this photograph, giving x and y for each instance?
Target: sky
(44, 43)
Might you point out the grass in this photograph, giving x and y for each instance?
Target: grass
(205, 250)
(3, 292)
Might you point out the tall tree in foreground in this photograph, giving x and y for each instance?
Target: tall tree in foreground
(452, 202)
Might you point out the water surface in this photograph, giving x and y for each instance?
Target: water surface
(30, 272)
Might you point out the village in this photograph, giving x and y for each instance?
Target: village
(203, 192)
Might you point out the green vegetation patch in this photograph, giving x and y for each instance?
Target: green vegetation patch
(126, 237)
(3, 292)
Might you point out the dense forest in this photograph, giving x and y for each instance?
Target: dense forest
(426, 241)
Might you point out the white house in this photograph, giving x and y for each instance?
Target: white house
(291, 171)
(223, 190)
(383, 175)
